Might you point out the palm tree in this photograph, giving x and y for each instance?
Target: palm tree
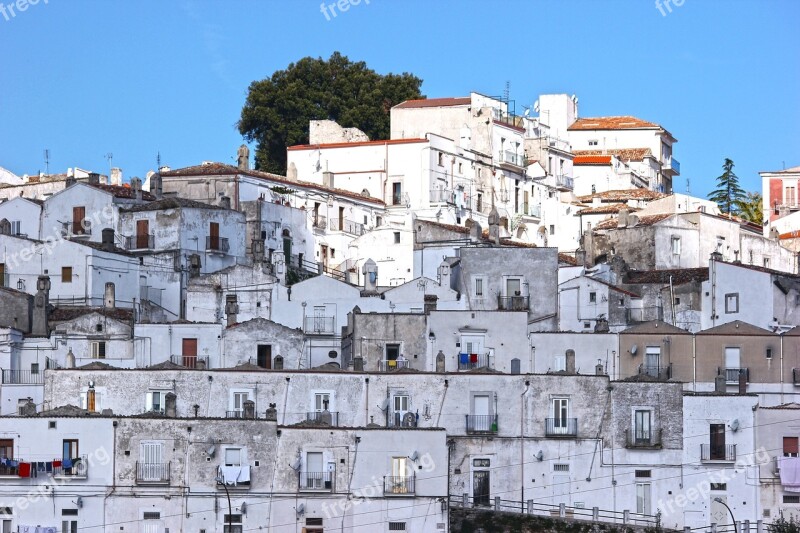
(728, 195)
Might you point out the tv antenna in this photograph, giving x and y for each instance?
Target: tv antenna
(110, 157)
(47, 161)
(507, 91)
(688, 189)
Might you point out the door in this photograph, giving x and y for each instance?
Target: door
(561, 490)
(399, 481)
(397, 193)
(213, 235)
(287, 248)
(3, 275)
(150, 467)
(189, 352)
(560, 415)
(314, 471)
(238, 403)
(643, 498)
(322, 401)
(717, 442)
(69, 450)
(341, 218)
(652, 360)
(719, 513)
(513, 287)
(481, 484)
(7, 452)
(142, 234)
(732, 364)
(642, 427)
(324, 253)
(264, 355)
(78, 215)
(400, 408)
(482, 412)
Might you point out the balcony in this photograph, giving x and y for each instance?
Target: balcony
(561, 427)
(75, 468)
(22, 377)
(215, 243)
(564, 182)
(234, 477)
(152, 473)
(319, 222)
(391, 365)
(671, 166)
(401, 419)
(77, 229)
(190, 361)
(238, 413)
(732, 374)
(643, 439)
(347, 226)
(532, 210)
(481, 424)
(656, 371)
(507, 157)
(442, 196)
(323, 418)
(140, 242)
(399, 485)
(643, 314)
(513, 303)
(718, 452)
(471, 361)
(316, 482)
(319, 325)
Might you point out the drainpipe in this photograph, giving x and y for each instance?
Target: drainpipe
(522, 440)
(694, 363)
(366, 402)
(782, 334)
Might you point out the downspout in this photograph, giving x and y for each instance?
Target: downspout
(366, 402)
(694, 363)
(522, 441)
(782, 387)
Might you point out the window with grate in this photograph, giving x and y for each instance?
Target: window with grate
(151, 515)
(719, 486)
(791, 499)
(561, 467)
(69, 512)
(643, 473)
(313, 521)
(397, 526)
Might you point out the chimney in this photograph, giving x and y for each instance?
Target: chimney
(243, 157)
(327, 179)
(599, 370)
(70, 181)
(194, 265)
(107, 239)
(157, 186)
(444, 274)
(475, 232)
(271, 413)
(28, 408)
(279, 268)
(719, 384)
(370, 271)
(109, 297)
(116, 176)
(200, 364)
(580, 257)
(41, 302)
(622, 218)
(742, 381)
(571, 361)
(430, 303)
(94, 178)
(249, 409)
(774, 234)
(225, 201)
(231, 309)
(494, 226)
(136, 189)
(170, 405)
(716, 256)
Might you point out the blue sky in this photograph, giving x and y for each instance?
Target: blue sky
(85, 78)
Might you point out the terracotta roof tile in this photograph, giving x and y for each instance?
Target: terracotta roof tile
(221, 169)
(63, 314)
(586, 160)
(120, 191)
(623, 195)
(605, 209)
(434, 102)
(679, 276)
(170, 203)
(645, 220)
(611, 123)
(624, 154)
(358, 143)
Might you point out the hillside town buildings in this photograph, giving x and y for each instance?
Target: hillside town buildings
(487, 310)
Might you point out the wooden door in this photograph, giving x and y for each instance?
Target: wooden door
(213, 236)
(142, 234)
(78, 215)
(189, 352)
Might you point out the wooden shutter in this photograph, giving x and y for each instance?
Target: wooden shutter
(78, 215)
(790, 445)
(142, 233)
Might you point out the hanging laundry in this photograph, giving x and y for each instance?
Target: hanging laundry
(24, 470)
(67, 463)
(48, 467)
(40, 466)
(56, 464)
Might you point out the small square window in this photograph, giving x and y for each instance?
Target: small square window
(677, 301)
(34, 368)
(719, 486)
(397, 237)
(587, 325)
(592, 297)
(643, 473)
(766, 262)
(552, 229)
(791, 499)
(66, 274)
(593, 142)
(479, 287)
(676, 245)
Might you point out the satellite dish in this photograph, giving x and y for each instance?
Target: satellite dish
(414, 456)
(527, 112)
(634, 349)
(735, 425)
(536, 106)
(539, 455)
(385, 404)
(296, 465)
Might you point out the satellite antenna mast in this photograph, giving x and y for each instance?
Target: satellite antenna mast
(158, 161)
(507, 91)
(47, 161)
(688, 189)
(110, 157)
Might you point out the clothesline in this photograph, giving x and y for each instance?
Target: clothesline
(30, 469)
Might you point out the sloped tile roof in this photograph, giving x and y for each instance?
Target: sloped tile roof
(120, 191)
(586, 160)
(171, 203)
(645, 220)
(625, 122)
(655, 327)
(737, 327)
(623, 195)
(605, 209)
(357, 143)
(679, 276)
(625, 154)
(434, 102)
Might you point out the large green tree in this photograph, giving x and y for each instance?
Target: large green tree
(751, 208)
(728, 195)
(277, 110)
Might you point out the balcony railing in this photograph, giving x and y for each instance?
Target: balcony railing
(234, 414)
(320, 221)
(656, 371)
(152, 473)
(470, 361)
(510, 158)
(22, 377)
(329, 418)
(643, 439)
(190, 361)
(320, 325)
(74, 468)
(732, 374)
(140, 242)
(532, 210)
(217, 244)
(442, 196)
(234, 477)
(718, 452)
(564, 182)
(316, 481)
(481, 424)
(513, 303)
(561, 427)
(392, 364)
(399, 485)
(672, 165)
(401, 419)
(78, 229)
(348, 226)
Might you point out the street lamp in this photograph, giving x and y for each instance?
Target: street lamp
(221, 481)
(719, 500)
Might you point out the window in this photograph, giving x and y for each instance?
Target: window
(15, 227)
(322, 401)
(397, 193)
(766, 262)
(790, 197)
(790, 446)
(397, 526)
(155, 401)
(592, 297)
(66, 274)
(587, 325)
(642, 425)
(479, 287)
(233, 457)
(593, 142)
(34, 368)
(440, 159)
(559, 362)
(392, 352)
(7, 452)
(552, 229)
(643, 473)
(460, 168)
(151, 515)
(237, 403)
(791, 499)
(561, 467)
(676, 246)
(233, 523)
(213, 236)
(98, 350)
(69, 526)
(732, 303)
(313, 522)
(397, 237)
(643, 498)
(719, 486)
(79, 222)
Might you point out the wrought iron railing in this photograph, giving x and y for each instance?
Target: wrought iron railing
(641, 438)
(330, 418)
(22, 377)
(513, 303)
(190, 361)
(217, 244)
(399, 485)
(316, 481)
(319, 325)
(140, 242)
(392, 364)
(718, 452)
(470, 361)
(561, 427)
(481, 424)
(155, 473)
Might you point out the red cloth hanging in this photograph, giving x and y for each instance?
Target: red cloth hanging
(24, 470)
(56, 464)
(473, 358)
